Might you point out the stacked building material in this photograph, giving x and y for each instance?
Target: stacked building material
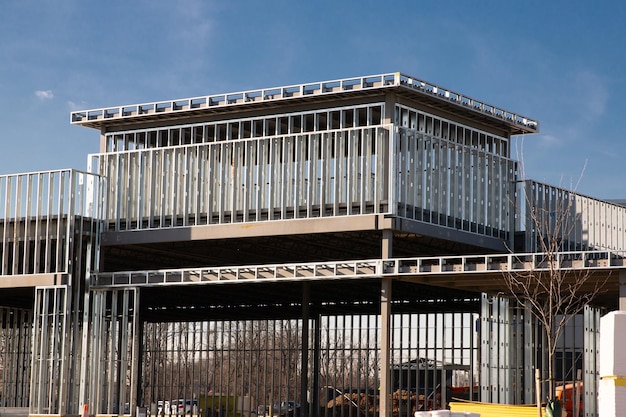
(612, 388)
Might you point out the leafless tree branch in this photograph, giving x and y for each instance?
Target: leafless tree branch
(551, 293)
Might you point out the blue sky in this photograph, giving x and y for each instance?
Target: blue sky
(562, 63)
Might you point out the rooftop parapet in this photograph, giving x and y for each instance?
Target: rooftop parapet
(95, 118)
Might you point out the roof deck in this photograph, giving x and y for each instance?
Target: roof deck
(439, 96)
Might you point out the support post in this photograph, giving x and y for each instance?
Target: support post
(136, 358)
(317, 347)
(385, 323)
(622, 289)
(83, 396)
(385, 348)
(304, 375)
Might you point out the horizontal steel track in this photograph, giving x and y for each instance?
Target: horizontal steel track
(169, 107)
(373, 268)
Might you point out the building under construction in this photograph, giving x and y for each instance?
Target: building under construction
(332, 248)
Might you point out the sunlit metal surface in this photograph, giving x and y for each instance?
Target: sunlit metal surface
(493, 264)
(359, 155)
(91, 117)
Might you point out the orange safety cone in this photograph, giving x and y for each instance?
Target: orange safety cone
(85, 410)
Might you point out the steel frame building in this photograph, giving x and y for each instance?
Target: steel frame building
(335, 246)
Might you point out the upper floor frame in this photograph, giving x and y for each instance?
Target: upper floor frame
(388, 144)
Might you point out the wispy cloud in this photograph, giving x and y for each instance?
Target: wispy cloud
(44, 94)
(593, 94)
(73, 106)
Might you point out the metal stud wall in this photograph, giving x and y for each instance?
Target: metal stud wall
(434, 358)
(578, 221)
(236, 366)
(49, 227)
(496, 374)
(245, 364)
(325, 119)
(15, 356)
(443, 182)
(591, 359)
(431, 125)
(512, 348)
(114, 351)
(51, 345)
(222, 364)
(40, 214)
(305, 165)
(334, 173)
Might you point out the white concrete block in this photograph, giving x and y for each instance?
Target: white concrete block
(612, 343)
(612, 397)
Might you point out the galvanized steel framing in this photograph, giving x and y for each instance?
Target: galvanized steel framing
(260, 361)
(606, 262)
(579, 222)
(113, 361)
(84, 338)
(15, 360)
(310, 165)
(40, 213)
(333, 87)
(49, 231)
(271, 178)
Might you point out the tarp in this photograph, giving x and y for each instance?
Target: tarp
(495, 410)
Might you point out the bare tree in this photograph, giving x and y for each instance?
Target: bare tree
(553, 286)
